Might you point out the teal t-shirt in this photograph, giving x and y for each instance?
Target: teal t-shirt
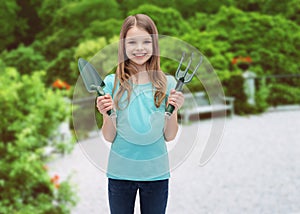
(139, 151)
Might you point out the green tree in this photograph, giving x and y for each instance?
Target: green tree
(84, 12)
(46, 10)
(293, 11)
(25, 59)
(10, 24)
(53, 44)
(250, 5)
(243, 31)
(274, 7)
(189, 8)
(107, 28)
(199, 21)
(288, 9)
(59, 67)
(128, 5)
(70, 21)
(164, 19)
(28, 13)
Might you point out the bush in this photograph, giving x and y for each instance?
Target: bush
(261, 96)
(30, 115)
(281, 94)
(25, 59)
(59, 67)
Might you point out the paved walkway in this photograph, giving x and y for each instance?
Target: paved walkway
(256, 170)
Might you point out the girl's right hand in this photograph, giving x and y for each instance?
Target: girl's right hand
(104, 103)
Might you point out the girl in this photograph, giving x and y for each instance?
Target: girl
(139, 92)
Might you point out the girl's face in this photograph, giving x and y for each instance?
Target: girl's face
(138, 46)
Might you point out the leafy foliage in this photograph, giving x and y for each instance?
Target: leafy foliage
(283, 94)
(10, 23)
(293, 11)
(164, 19)
(107, 28)
(221, 30)
(58, 68)
(84, 12)
(25, 59)
(243, 31)
(30, 115)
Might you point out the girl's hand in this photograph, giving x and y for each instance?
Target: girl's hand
(104, 103)
(176, 99)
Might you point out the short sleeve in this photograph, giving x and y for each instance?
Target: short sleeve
(171, 83)
(109, 83)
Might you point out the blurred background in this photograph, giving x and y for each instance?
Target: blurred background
(253, 46)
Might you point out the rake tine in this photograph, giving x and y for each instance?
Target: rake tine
(180, 64)
(198, 65)
(188, 66)
(190, 76)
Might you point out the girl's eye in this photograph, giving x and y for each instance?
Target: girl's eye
(131, 42)
(148, 42)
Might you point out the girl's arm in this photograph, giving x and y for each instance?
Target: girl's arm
(105, 103)
(171, 127)
(176, 98)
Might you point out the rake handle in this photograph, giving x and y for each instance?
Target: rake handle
(170, 108)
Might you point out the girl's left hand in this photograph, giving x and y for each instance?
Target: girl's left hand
(176, 99)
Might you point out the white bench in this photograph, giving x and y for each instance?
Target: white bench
(197, 103)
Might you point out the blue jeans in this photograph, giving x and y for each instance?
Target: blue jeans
(153, 196)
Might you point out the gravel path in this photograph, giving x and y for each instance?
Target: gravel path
(255, 170)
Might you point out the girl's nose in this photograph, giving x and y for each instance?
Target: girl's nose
(139, 46)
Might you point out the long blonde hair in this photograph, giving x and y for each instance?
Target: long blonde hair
(125, 69)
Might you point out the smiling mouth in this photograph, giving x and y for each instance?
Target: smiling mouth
(139, 54)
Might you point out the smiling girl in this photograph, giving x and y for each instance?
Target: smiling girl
(139, 92)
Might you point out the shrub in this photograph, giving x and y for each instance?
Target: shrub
(261, 96)
(30, 115)
(281, 94)
(25, 59)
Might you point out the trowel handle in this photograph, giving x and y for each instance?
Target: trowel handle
(100, 92)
